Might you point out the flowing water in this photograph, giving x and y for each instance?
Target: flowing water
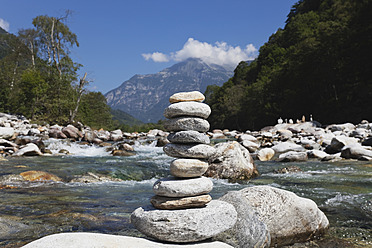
(342, 190)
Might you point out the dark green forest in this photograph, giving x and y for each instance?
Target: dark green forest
(319, 64)
(39, 80)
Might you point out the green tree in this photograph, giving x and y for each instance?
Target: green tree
(32, 94)
(94, 111)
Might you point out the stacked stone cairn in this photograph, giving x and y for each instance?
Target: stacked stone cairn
(184, 211)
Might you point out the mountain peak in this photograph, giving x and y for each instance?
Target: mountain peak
(146, 96)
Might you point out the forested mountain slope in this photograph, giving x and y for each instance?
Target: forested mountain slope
(319, 64)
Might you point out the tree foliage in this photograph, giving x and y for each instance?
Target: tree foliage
(38, 78)
(318, 64)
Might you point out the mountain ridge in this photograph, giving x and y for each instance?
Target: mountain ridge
(146, 96)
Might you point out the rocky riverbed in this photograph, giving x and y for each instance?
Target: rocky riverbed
(233, 156)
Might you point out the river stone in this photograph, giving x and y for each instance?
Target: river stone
(231, 161)
(29, 149)
(72, 132)
(39, 176)
(248, 230)
(189, 151)
(90, 240)
(89, 136)
(188, 137)
(162, 202)
(338, 142)
(185, 167)
(289, 218)
(91, 177)
(185, 225)
(56, 132)
(287, 146)
(192, 96)
(116, 135)
(293, 156)
(251, 146)
(187, 123)
(197, 109)
(248, 137)
(356, 151)
(6, 132)
(6, 143)
(176, 187)
(265, 154)
(316, 154)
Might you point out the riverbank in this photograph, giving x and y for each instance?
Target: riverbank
(282, 142)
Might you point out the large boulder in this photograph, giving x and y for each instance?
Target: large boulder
(248, 231)
(231, 161)
(6, 132)
(197, 109)
(89, 240)
(185, 225)
(289, 218)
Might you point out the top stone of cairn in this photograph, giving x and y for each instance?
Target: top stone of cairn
(192, 96)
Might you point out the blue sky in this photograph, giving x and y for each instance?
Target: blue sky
(119, 39)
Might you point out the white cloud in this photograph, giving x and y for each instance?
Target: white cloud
(4, 24)
(156, 57)
(219, 53)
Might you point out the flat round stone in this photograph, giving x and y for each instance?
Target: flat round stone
(198, 109)
(188, 137)
(186, 123)
(194, 96)
(188, 150)
(188, 167)
(176, 187)
(163, 202)
(185, 225)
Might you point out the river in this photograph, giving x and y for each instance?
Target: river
(342, 190)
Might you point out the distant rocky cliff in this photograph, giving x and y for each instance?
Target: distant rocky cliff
(146, 96)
